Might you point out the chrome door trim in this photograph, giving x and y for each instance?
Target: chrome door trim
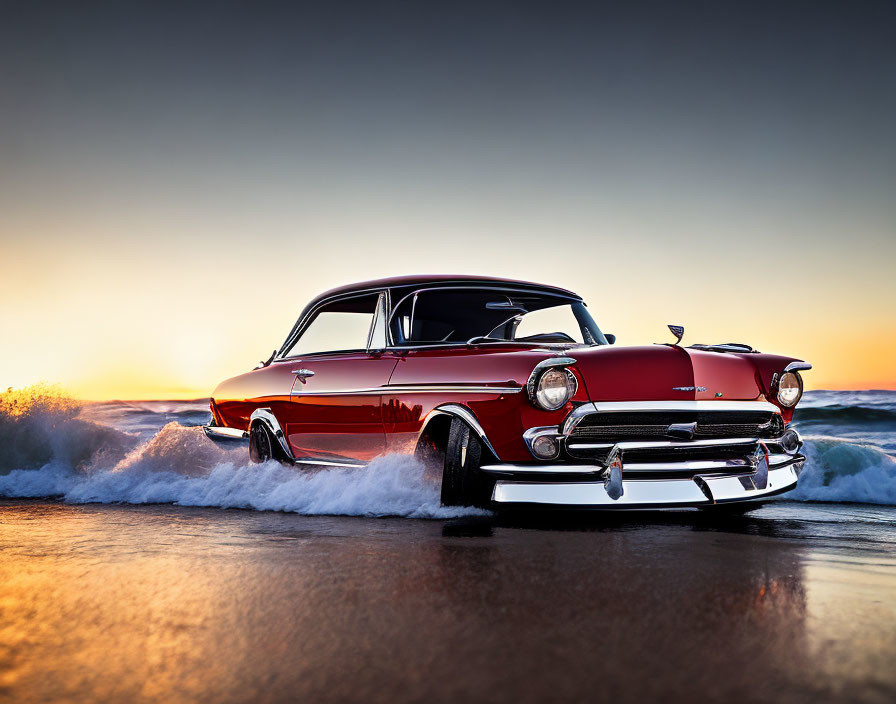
(392, 389)
(266, 416)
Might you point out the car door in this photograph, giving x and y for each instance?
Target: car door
(338, 368)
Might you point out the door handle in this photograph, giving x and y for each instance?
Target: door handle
(302, 374)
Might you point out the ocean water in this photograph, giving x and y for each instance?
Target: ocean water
(156, 452)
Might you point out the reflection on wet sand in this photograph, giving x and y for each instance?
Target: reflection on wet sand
(113, 603)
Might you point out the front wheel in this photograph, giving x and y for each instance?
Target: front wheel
(261, 444)
(463, 483)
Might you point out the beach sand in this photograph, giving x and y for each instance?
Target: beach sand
(100, 603)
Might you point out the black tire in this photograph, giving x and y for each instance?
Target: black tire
(261, 444)
(463, 483)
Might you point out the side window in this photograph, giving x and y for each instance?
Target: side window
(339, 327)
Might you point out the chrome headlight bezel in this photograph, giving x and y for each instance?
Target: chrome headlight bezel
(533, 384)
(779, 387)
(571, 386)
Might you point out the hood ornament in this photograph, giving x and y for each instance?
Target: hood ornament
(678, 331)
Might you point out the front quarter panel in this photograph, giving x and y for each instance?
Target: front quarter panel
(503, 416)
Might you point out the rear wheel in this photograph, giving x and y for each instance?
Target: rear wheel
(261, 444)
(463, 483)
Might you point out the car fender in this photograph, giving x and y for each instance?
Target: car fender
(465, 414)
(266, 416)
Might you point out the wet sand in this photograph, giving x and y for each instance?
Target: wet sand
(103, 603)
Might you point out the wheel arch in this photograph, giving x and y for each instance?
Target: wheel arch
(437, 423)
(266, 417)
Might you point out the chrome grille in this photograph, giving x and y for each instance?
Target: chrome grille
(654, 425)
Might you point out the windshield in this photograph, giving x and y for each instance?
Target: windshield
(453, 316)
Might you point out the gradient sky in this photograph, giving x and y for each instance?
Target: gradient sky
(176, 183)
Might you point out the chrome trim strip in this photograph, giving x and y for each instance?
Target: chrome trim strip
(392, 389)
(376, 336)
(576, 415)
(225, 433)
(330, 463)
(688, 465)
(797, 366)
(266, 416)
(650, 444)
(543, 468)
(734, 466)
(453, 409)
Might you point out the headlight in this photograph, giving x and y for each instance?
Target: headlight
(555, 387)
(790, 388)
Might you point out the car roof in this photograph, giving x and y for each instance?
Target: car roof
(422, 281)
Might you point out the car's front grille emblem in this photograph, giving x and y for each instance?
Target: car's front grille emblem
(682, 431)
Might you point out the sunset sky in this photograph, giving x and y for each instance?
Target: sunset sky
(176, 184)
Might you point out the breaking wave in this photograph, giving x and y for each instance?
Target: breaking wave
(154, 452)
(840, 470)
(49, 451)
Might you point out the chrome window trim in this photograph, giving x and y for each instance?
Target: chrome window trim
(376, 336)
(302, 325)
(458, 344)
(577, 414)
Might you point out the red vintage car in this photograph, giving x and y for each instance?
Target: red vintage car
(512, 388)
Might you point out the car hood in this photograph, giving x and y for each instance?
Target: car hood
(670, 372)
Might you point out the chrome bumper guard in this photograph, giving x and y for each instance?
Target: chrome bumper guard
(216, 432)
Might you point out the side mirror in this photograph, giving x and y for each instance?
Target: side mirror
(610, 338)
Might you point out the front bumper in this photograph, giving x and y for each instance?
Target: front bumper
(655, 454)
(588, 486)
